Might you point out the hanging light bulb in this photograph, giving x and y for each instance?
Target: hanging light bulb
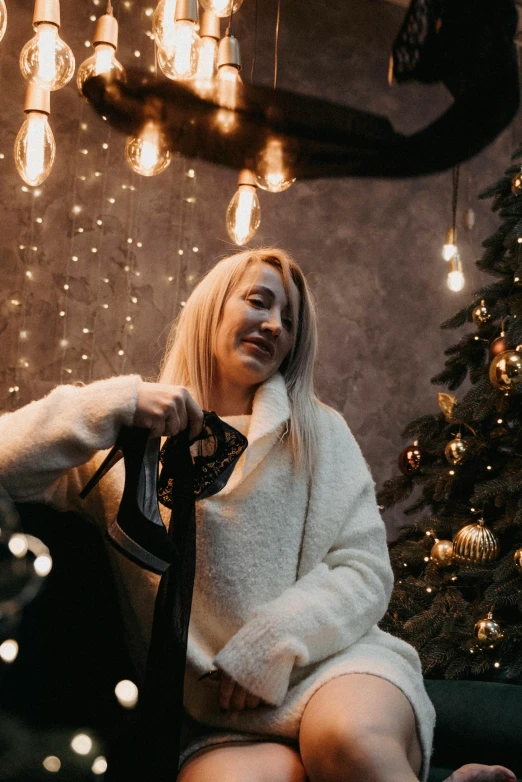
(244, 211)
(206, 72)
(148, 153)
(455, 274)
(271, 170)
(46, 60)
(228, 82)
(103, 62)
(3, 18)
(178, 43)
(35, 148)
(450, 247)
(221, 7)
(163, 21)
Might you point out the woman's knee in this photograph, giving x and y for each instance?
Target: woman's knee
(264, 762)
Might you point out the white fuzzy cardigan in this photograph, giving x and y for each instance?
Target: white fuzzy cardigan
(292, 573)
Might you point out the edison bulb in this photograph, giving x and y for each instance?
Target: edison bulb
(448, 251)
(35, 149)
(179, 60)
(46, 60)
(271, 170)
(3, 18)
(163, 22)
(221, 7)
(206, 71)
(243, 214)
(102, 63)
(147, 153)
(455, 281)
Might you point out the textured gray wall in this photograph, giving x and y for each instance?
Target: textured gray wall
(370, 247)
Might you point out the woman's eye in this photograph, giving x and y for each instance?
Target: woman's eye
(288, 323)
(256, 302)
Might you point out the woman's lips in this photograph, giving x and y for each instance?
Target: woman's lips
(258, 348)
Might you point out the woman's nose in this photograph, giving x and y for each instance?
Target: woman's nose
(273, 323)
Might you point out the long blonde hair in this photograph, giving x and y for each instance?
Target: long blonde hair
(189, 355)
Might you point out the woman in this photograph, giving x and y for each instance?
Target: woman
(292, 570)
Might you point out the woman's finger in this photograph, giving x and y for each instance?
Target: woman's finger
(226, 688)
(238, 698)
(195, 417)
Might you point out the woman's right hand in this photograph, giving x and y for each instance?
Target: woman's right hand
(167, 410)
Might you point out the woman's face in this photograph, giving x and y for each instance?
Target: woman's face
(255, 332)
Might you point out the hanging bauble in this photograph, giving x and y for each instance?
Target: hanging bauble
(488, 632)
(475, 544)
(410, 459)
(516, 183)
(499, 345)
(447, 402)
(442, 552)
(517, 560)
(480, 314)
(455, 451)
(505, 371)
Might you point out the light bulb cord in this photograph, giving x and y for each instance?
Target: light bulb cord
(276, 42)
(454, 197)
(229, 28)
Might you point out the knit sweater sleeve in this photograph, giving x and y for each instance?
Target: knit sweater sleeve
(45, 445)
(341, 597)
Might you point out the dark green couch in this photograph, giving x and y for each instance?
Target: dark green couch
(72, 654)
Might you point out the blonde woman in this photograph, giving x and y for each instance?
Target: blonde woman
(292, 569)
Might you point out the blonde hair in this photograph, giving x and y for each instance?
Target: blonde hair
(189, 356)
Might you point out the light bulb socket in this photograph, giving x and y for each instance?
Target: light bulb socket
(451, 235)
(46, 11)
(455, 264)
(186, 10)
(246, 177)
(106, 31)
(37, 99)
(209, 26)
(229, 52)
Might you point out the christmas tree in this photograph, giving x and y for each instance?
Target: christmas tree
(458, 568)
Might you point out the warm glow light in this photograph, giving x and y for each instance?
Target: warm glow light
(455, 281)
(46, 60)
(448, 251)
(206, 71)
(9, 650)
(3, 18)
(52, 763)
(221, 7)
(99, 766)
(18, 545)
(271, 170)
(163, 22)
(35, 149)
(81, 744)
(243, 214)
(43, 564)
(147, 153)
(126, 691)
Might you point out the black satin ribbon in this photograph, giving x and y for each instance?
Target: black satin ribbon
(160, 714)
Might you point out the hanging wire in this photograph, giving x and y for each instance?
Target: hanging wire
(229, 28)
(276, 44)
(109, 7)
(454, 199)
(255, 45)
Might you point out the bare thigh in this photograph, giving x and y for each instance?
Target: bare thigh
(256, 762)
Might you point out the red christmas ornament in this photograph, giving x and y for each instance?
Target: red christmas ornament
(410, 459)
(499, 345)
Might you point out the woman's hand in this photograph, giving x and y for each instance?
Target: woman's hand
(234, 697)
(167, 410)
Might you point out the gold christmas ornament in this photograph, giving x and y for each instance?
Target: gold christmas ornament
(517, 559)
(505, 371)
(475, 544)
(499, 345)
(410, 459)
(480, 314)
(455, 451)
(516, 183)
(447, 402)
(442, 553)
(488, 632)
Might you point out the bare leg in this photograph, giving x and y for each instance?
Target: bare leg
(359, 728)
(259, 762)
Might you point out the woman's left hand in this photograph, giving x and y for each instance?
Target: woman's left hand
(233, 697)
